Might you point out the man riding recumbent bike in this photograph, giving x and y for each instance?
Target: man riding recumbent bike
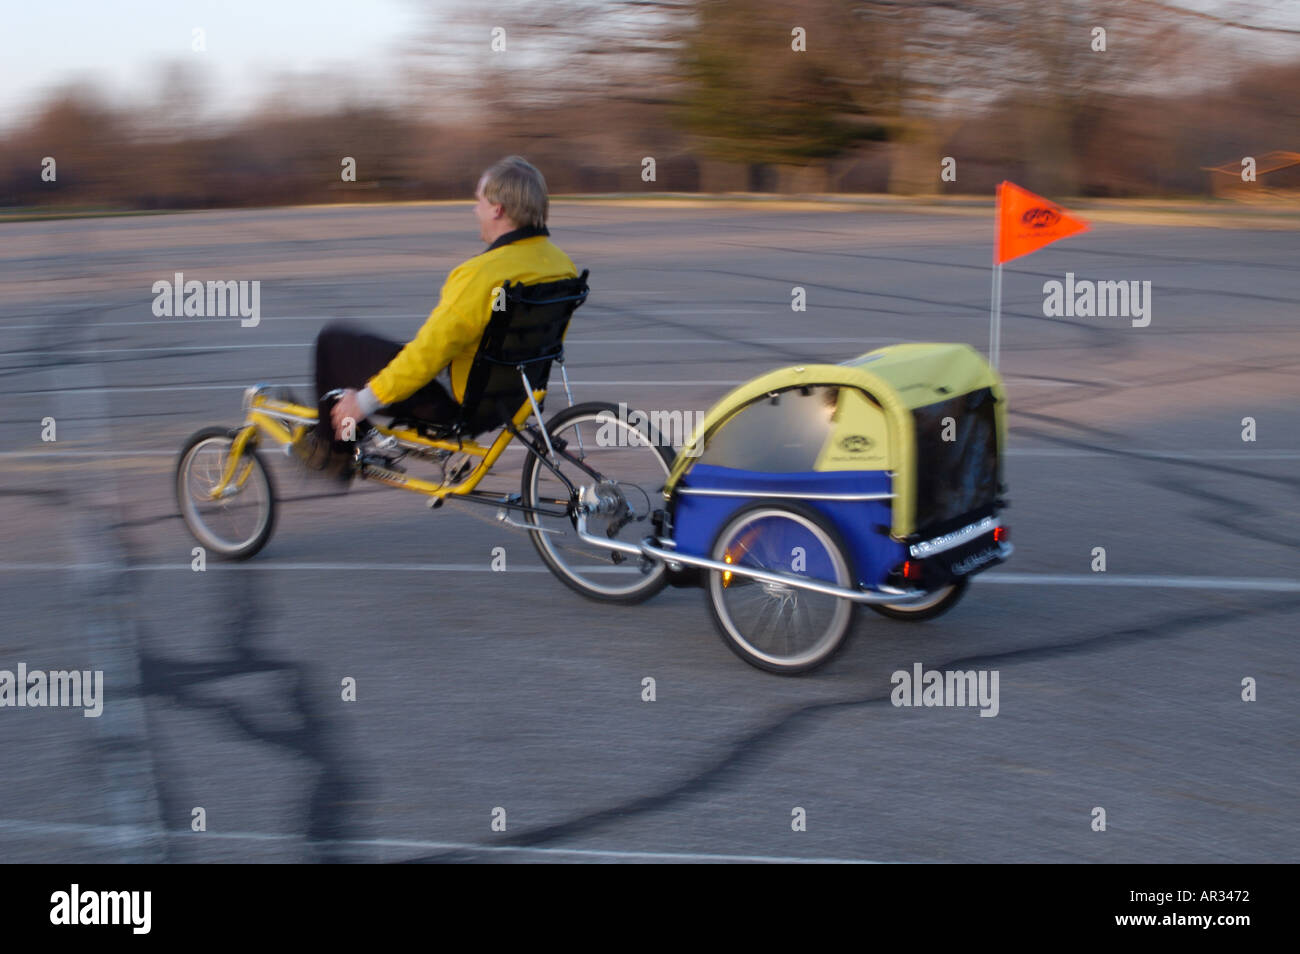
(804, 493)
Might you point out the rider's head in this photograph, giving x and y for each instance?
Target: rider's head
(511, 195)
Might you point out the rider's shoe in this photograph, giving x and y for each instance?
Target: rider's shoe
(332, 459)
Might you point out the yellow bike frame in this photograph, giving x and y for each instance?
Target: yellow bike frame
(265, 416)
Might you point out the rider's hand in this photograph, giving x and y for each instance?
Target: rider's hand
(346, 408)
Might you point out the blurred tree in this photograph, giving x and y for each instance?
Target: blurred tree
(82, 134)
(1041, 58)
(580, 86)
(517, 54)
(767, 84)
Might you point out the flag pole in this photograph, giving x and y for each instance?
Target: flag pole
(995, 294)
(995, 317)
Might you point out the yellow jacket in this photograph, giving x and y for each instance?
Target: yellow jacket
(451, 333)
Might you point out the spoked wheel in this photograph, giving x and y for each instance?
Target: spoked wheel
(934, 603)
(627, 466)
(775, 626)
(238, 524)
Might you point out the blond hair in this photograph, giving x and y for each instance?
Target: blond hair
(518, 187)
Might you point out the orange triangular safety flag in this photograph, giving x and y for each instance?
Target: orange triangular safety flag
(1027, 222)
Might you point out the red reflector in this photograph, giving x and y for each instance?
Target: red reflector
(910, 570)
(999, 534)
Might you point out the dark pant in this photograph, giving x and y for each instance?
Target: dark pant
(347, 357)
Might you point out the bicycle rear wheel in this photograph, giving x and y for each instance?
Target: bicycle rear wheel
(598, 448)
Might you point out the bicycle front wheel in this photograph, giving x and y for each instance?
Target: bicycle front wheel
(239, 522)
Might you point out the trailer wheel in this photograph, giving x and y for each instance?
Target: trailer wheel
(772, 625)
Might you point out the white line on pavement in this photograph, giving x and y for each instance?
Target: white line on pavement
(660, 383)
(242, 387)
(1011, 452)
(1264, 584)
(22, 827)
(1165, 455)
(665, 341)
(683, 310)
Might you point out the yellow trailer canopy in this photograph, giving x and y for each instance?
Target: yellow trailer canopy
(872, 426)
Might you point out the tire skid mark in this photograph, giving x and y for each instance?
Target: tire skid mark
(1290, 482)
(742, 751)
(1233, 514)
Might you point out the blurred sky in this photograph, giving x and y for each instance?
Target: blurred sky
(120, 45)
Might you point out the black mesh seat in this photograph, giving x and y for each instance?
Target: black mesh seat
(526, 336)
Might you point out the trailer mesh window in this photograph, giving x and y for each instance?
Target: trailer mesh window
(958, 476)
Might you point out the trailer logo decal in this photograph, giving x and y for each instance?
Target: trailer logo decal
(855, 443)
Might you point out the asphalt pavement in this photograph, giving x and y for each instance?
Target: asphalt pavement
(489, 695)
